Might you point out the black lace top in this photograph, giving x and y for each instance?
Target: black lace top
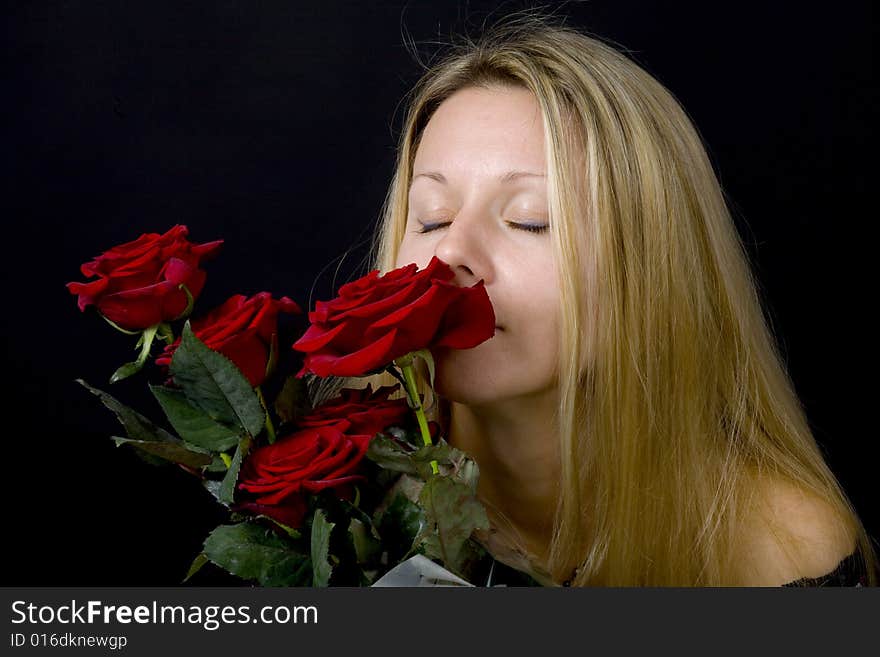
(847, 573)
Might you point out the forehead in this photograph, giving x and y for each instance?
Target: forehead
(483, 133)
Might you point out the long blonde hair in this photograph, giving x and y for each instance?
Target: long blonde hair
(674, 403)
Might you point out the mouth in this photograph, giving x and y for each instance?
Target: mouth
(499, 328)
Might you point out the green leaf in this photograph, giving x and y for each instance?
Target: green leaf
(136, 425)
(213, 383)
(290, 531)
(148, 458)
(173, 452)
(452, 513)
(144, 342)
(472, 560)
(192, 423)
(422, 458)
(321, 568)
(391, 455)
(355, 512)
(217, 465)
(400, 520)
(253, 552)
(196, 566)
(453, 463)
(126, 370)
(295, 534)
(293, 400)
(366, 547)
(227, 488)
(152, 443)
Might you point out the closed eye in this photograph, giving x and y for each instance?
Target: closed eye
(532, 228)
(427, 228)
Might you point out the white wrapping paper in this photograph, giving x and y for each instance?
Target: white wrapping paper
(419, 571)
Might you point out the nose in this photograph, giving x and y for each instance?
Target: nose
(466, 249)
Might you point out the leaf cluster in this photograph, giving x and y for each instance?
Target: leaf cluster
(404, 508)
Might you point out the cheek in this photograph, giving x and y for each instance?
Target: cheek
(409, 252)
(542, 338)
(541, 304)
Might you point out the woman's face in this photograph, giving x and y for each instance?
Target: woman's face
(490, 226)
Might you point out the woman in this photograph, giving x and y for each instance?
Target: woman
(631, 417)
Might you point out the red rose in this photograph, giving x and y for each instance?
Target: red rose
(376, 319)
(139, 283)
(244, 330)
(325, 452)
(368, 412)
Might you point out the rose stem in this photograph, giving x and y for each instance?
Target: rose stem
(409, 376)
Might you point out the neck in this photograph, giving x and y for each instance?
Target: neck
(515, 445)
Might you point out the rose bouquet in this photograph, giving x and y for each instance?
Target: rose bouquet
(318, 492)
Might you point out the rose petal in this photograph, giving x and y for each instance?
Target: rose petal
(137, 309)
(316, 337)
(358, 363)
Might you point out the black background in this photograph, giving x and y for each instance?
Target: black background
(273, 126)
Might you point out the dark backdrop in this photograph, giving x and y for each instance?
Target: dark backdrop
(273, 126)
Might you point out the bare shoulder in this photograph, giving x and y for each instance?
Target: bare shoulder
(792, 533)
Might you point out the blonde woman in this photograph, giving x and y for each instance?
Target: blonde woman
(632, 419)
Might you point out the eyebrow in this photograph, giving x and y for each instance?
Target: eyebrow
(505, 178)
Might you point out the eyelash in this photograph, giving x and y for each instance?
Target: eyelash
(428, 228)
